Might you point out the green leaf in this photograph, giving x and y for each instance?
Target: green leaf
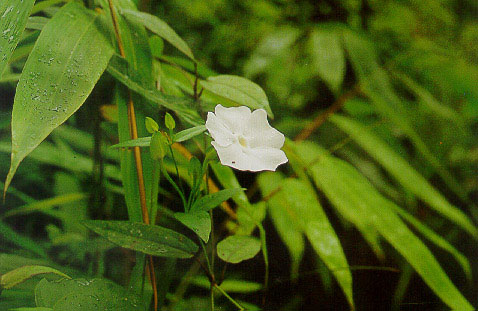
(7, 234)
(237, 248)
(68, 59)
(151, 125)
(327, 56)
(32, 309)
(199, 222)
(240, 90)
(346, 188)
(375, 83)
(403, 172)
(278, 210)
(229, 285)
(169, 121)
(188, 133)
(212, 200)
(309, 214)
(13, 19)
(138, 142)
(122, 71)
(159, 146)
(82, 294)
(160, 28)
(37, 22)
(47, 204)
(20, 275)
(149, 239)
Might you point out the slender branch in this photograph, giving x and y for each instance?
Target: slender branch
(137, 153)
(228, 297)
(321, 118)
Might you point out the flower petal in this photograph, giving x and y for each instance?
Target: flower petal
(234, 118)
(257, 159)
(222, 135)
(259, 132)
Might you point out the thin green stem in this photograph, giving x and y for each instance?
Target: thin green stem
(177, 171)
(228, 297)
(211, 293)
(175, 186)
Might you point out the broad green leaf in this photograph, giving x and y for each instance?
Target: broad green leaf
(82, 294)
(159, 27)
(40, 6)
(403, 172)
(20, 275)
(121, 71)
(212, 200)
(151, 125)
(149, 239)
(188, 133)
(375, 83)
(240, 90)
(198, 221)
(69, 57)
(344, 186)
(37, 22)
(237, 248)
(13, 18)
(327, 56)
(229, 285)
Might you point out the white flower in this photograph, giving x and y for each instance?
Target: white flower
(244, 140)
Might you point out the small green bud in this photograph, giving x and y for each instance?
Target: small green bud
(151, 125)
(159, 146)
(169, 121)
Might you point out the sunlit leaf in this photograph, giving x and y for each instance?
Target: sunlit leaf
(159, 27)
(20, 275)
(13, 18)
(327, 56)
(239, 90)
(212, 200)
(70, 55)
(237, 248)
(198, 221)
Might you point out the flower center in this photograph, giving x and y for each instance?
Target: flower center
(242, 141)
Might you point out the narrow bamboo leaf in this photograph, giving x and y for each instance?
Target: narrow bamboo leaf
(121, 71)
(436, 239)
(199, 222)
(139, 142)
(188, 133)
(212, 200)
(151, 240)
(159, 27)
(375, 83)
(24, 242)
(239, 90)
(306, 209)
(229, 285)
(237, 248)
(13, 18)
(346, 187)
(20, 275)
(45, 204)
(283, 219)
(309, 153)
(327, 56)
(83, 294)
(403, 172)
(68, 59)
